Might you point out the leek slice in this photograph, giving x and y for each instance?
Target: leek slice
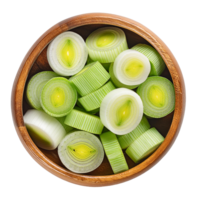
(93, 100)
(158, 96)
(114, 152)
(46, 131)
(126, 140)
(67, 53)
(81, 152)
(116, 82)
(84, 121)
(105, 44)
(121, 111)
(131, 67)
(157, 63)
(68, 129)
(35, 85)
(145, 145)
(91, 78)
(58, 97)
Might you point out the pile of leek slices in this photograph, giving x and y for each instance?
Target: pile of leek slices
(97, 100)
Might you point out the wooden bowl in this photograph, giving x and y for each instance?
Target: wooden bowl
(36, 61)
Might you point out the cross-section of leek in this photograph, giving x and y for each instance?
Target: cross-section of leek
(116, 82)
(91, 78)
(81, 152)
(35, 85)
(67, 53)
(93, 100)
(131, 67)
(105, 44)
(121, 111)
(46, 131)
(84, 121)
(58, 97)
(114, 152)
(157, 63)
(145, 145)
(126, 140)
(158, 96)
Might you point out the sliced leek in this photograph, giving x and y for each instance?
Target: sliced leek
(126, 140)
(81, 152)
(93, 100)
(67, 53)
(121, 111)
(116, 82)
(105, 44)
(145, 145)
(35, 85)
(157, 63)
(84, 121)
(158, 96)
(68, 129)
(91, 78)
(114, 152)
(131, 67)
(58, 97)
(46, 131)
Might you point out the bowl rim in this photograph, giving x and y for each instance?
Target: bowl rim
(36, 49)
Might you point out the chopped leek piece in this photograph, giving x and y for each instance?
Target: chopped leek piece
(91, 78)
(81, 152)
(131, 67)
(158, 96)
(35, 85)
(121, 111)
(67, 53)
(105, 44)
(157, 63)
(105, 65)
(145, 145)
(46, 131)
(84, 121)
(114, 152)
(58, 97)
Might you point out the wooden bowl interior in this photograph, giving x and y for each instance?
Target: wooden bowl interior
(41, 64)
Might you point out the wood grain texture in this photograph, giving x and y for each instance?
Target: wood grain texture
(36, 61)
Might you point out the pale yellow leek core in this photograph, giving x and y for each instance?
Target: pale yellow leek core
(156, 96)
(123, 113)
(134, 68)
(105, 39)
(58, 97)
(66, 52)
(81, 151)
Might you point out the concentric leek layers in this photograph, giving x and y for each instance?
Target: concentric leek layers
(93, 100)
(157, 63)
(114, 152)
(121, 111)
(46, 131)
(58, 97)
(67, 53)
(145, 145)
(84, 121)
(116, 82)
(105, 44)
(158, 96)
(81, 152)
(35, 85)
(91, 78)
(126, 140)
(131, 67)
